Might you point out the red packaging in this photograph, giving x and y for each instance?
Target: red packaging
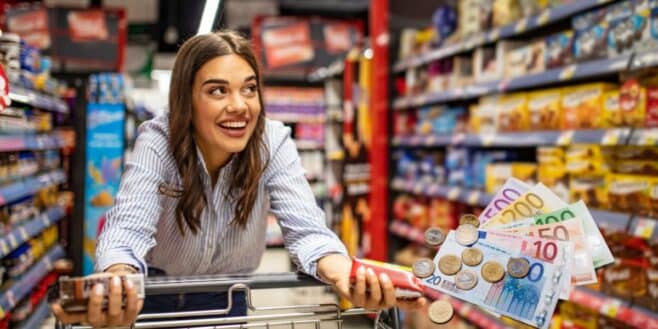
(651, 115)
(405, 283)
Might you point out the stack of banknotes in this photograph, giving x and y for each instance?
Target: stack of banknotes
(526, 251)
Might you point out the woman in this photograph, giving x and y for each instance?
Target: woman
(194, 199)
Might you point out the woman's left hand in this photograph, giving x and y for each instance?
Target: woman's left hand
(369, 291)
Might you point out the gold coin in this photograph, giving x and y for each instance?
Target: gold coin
(423, 268)
(434, 237)
(466, 234)
(492, 272)
(466, 279)
(469, 219)
(450, 264)
(472, 256)
(518, 267)
(441, 312)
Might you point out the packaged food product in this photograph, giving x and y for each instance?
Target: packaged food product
(544, 109)
(591, 43)
(489, 61)
(524, 60)
(650, 35)
(632, 102)
(591, 189)
(626, 27)
(498, 173)
(651, 116)
(636, 153)
(624, 280)
(559, 50)
(474, 17)
(637, 167)
(633, 193)
(513, 112)
(487, 114)
(505, 12)
(612, 114)
(405, 283)
(581, 105)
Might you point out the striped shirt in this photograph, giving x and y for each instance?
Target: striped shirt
(141, 228)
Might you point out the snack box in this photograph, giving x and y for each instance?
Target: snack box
(489, 61)
(651, 115)
(525, 60)
(589, 188)
(633, 193)
(626, 31)
(513, 112)
(581, 105)
(545, 109)
(612, 115)
(487, 114)
(632, 102)
(498, 173)
(559, 50)
(505, 12)
(591, 43)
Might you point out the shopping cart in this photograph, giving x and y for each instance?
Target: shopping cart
(318, 316)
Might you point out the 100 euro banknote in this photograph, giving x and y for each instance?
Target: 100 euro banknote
(531, 300)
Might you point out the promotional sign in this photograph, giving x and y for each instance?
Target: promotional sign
(104, 160)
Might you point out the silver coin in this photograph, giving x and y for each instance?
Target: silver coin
(434, 237)
(466, 279)
(467, 234)
(423, 268)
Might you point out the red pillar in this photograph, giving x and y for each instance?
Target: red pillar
(379, 107)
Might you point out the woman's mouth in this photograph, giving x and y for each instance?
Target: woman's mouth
(233, 128)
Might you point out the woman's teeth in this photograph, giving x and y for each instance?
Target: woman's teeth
(233, 124)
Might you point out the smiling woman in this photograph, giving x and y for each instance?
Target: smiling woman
(195, 198)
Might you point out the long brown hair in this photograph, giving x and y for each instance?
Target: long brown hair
(244, 177)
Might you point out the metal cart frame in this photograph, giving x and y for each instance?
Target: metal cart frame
(286, 316)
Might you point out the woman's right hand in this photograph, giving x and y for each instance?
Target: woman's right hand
(115, 315)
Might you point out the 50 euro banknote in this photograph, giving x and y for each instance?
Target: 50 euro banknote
(531, 299)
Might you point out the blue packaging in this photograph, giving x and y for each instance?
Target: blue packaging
(559, 50)
(591, 43)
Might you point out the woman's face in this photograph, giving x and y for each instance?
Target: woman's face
(226, 105)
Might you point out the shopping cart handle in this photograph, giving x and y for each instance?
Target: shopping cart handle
(220, 283)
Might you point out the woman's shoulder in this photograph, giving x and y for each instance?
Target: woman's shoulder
(276, 133)
(155, 131)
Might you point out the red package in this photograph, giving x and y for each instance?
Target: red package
(405, 283)
(651, 115)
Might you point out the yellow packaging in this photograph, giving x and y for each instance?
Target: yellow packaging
(636, 167)
(633, 103)
(513, 113)
(582, 105)
(550, 151)
(554, 176)
(612, 116)
(544, 109)
(587, 167)
(591, 189)
(583, 151)
(474, 119)
(488, 114)
(633, 194)
(498, 173)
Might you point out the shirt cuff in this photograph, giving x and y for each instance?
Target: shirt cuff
(311, 252)
(119, 256)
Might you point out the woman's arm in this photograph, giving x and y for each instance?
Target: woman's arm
(130, 227)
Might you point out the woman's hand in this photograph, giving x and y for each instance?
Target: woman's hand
(115, 314)
(369, 291)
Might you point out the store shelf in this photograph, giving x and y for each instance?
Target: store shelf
(297, 117)
(614, 308)
(24, 286)
(11, 143)
(546, 17)
(29, 229)
(29, 186)
(606, 219)
(37, 99)
(647, 136)
(616, 136)
(407, 231)
(38, 317)
(578, 71)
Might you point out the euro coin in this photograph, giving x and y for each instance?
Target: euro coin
(466, 234)
(423, 268)
(469, 219)
(466, 279)
(441, 312)
(492, 272)
(518, 267)
(450, 264)
(472, 256)
(434, 237)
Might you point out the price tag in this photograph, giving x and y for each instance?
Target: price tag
(611, 137)
(420, 100)
(473, 198)
(611, 307)
(12, 241)
(23, 233)
(430, 140)
(565, 137)
(487, 139)
(459, 92)
(521, 25)
(568, 72)
(453, 194)
(457, 138)
(502, 86)
(544, 17)
(645, 228)
(648, 137)
(494, 34)
(4, 247)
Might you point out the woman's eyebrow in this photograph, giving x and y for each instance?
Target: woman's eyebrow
(219, 81)
(249, 78)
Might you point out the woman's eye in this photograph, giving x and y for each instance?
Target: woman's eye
(250, 90)
(218, 91)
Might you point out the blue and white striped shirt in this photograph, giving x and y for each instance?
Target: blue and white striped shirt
(141, 228)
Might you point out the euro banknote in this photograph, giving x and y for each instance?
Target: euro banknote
(538, 200)
(510, 191)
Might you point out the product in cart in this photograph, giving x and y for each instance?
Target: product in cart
(74, 292)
